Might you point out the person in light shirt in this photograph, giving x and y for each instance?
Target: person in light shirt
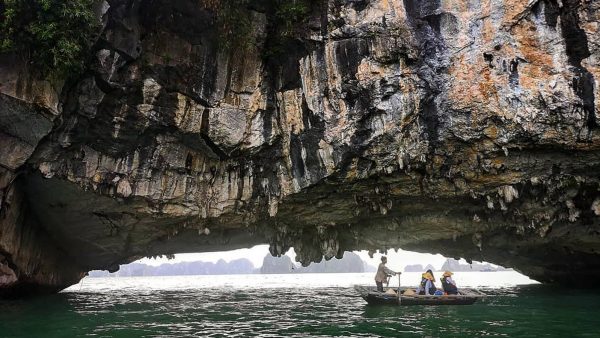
(382, 274)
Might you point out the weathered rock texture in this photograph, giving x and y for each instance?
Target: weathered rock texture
(468, 128)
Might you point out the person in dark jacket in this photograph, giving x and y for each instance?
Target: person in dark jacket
(449, 284)
(427, 285)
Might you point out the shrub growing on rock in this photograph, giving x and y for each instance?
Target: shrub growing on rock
(54, 36)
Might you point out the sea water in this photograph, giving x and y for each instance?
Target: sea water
(297, 305)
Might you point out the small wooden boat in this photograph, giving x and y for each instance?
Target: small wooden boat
(373, 297)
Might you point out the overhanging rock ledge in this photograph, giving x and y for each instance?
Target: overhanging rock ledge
(467, 128)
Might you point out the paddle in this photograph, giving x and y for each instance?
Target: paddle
(399, 298)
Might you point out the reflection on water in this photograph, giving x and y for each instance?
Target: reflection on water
(298, 306)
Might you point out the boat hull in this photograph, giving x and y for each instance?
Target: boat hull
(467, 297)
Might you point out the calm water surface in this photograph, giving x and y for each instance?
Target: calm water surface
(322, 305)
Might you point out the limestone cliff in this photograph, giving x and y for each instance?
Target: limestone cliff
(468, 128)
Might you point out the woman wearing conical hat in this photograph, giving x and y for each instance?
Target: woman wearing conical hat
(449, 284)
(427, 285)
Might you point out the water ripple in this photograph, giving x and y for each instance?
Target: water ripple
(188, 311)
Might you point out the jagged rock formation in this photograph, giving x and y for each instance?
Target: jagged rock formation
(468, 128)
(350, 263)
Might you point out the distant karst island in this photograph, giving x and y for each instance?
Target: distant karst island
(454, 265)
(351, 262)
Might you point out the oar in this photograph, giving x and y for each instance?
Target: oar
(399, 298)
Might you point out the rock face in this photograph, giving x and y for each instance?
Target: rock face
(468, 128)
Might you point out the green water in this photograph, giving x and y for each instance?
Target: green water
(526, 311)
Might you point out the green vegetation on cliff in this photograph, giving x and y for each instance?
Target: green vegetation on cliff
(291, 15)
(233, 22)
(234, 19)
(54, 36)
(289, 20)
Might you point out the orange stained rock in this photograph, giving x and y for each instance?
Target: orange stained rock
(539, 60)
(472, 85)
(497, 162)
(399, 9)
(487, 86)
(352, 174)
(489, 32)
(491, 132)
(392, 8)
(291, 104)
(591, 27)
(459, 6)
(385, 5)
(514, 10)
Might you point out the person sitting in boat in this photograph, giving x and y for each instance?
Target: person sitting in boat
(427, 286)
(382, 274)
(449, 284)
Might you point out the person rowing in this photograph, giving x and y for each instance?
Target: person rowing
(383, 272)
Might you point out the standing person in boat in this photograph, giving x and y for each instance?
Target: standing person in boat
(383, 273)
(427, 286)
(449, 284)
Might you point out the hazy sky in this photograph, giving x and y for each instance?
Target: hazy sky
(396, 260)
